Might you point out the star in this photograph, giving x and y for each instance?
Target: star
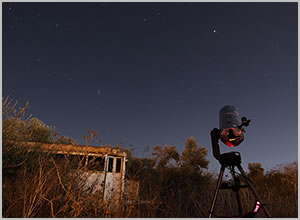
(214, 30)
(56, 25)
(145, 19)
(9, 8)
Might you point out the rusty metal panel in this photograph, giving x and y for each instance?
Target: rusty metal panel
(93, 181)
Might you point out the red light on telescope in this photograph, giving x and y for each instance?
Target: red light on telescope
(232, 137)
(228, 143)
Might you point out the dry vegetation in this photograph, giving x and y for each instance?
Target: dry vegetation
(36, 184)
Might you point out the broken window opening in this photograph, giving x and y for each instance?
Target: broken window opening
(60, 157)
(96, 163)
(76, 161)
(110, 164)
(118, 166)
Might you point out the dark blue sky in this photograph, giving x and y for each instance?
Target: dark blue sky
(151, 74)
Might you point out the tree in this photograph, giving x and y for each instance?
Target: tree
(256, 170)
(40, 132)
(165, 157)
(17, 126)
(193, 155)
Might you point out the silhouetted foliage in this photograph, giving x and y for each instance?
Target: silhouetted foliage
(256, 172)
(165, 157)
(193, 156)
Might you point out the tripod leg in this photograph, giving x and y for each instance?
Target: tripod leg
(216, 191)
(253, 190)
(236, 189)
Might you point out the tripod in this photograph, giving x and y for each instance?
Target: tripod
(232, 160)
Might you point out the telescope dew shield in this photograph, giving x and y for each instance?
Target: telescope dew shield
(231, 134)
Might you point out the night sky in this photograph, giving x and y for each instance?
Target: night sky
(147, 74)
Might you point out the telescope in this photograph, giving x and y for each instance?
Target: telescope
(231, 133)
(231, 126)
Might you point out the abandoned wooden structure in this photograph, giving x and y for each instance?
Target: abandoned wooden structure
(106, 167)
